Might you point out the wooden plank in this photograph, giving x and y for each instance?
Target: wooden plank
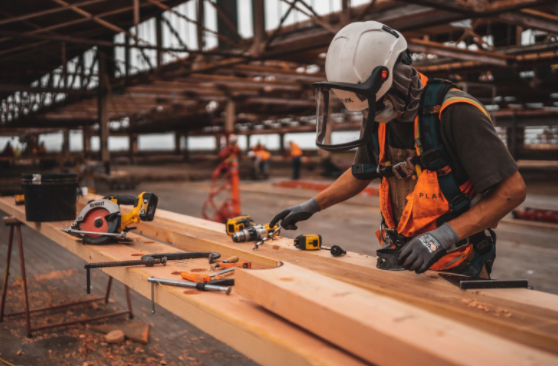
(376, 328)
(534, 319)
(258, 334)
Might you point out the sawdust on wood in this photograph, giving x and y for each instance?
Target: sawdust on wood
(198, 270)
(192, 292)
(286, 279)
(176, 273)
(276, 247)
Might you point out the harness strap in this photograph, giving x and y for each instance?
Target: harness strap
(430, 140)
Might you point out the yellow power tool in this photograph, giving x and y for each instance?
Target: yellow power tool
(314, 242)
(254, 233)
(238, 223)
(101, 221)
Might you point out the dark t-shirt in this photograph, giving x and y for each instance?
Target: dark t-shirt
(468, 135)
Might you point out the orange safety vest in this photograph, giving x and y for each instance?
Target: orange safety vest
(263, 155)
(426, 203)
(295, 150)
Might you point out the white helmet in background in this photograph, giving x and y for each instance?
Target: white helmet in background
(359, 71)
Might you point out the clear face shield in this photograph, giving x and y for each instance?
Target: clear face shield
(340, 105)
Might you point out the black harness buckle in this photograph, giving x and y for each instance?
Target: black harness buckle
(431, 158)
(460, 203)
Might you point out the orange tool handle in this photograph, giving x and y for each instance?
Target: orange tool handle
(198, 278)
(238, 264)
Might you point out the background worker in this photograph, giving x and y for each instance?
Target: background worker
(261, 164)
(231, 150)
(446, 177)
(295, 153)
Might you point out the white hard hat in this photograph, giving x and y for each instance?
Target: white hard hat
(355, 51)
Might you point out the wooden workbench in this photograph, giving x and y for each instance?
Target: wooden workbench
(270, 340)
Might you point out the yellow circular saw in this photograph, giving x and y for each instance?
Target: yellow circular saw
(101, 221)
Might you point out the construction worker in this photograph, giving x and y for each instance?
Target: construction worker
(295, 153)
(446, 177)
(262, 162)
(231, 151)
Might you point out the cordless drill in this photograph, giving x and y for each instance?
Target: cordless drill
(254, 233)
(238, 223)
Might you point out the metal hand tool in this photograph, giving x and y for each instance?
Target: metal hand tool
(149, 260)
(470, 283)
(200, 278)
(218, 286)
(270, 235)
(230, 265)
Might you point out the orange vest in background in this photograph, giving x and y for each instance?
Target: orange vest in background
(263, 155)
(295, 150)
(426, 203)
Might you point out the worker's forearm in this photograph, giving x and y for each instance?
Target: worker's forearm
(506, 196)
(345, 187)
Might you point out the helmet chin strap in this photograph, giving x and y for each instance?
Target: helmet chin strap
(388, 113)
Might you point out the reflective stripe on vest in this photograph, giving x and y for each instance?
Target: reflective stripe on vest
(426, 204)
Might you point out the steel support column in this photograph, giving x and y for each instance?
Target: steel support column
(102, 112)
(229, 9)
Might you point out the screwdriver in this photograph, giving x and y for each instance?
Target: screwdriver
(200, 278)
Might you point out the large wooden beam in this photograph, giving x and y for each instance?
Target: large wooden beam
(260, 335)
(534, 313)
(376, 328)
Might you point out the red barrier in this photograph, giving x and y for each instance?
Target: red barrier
(536, 214)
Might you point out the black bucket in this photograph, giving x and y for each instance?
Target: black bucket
(50, 197)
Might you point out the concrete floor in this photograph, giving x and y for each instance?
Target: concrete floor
(524, 251)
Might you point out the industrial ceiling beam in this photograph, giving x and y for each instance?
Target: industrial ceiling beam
(162, 6)
(97, 42)
(434, 48)
(532, 19)
(47, 12)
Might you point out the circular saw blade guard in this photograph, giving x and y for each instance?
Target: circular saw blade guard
(93, 218)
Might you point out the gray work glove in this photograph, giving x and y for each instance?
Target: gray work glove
(290, 216)
(426, 249)
(404, 169)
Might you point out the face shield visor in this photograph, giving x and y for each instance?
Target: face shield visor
(341, 103)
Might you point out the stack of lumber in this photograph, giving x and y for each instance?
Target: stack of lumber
(308, 308)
